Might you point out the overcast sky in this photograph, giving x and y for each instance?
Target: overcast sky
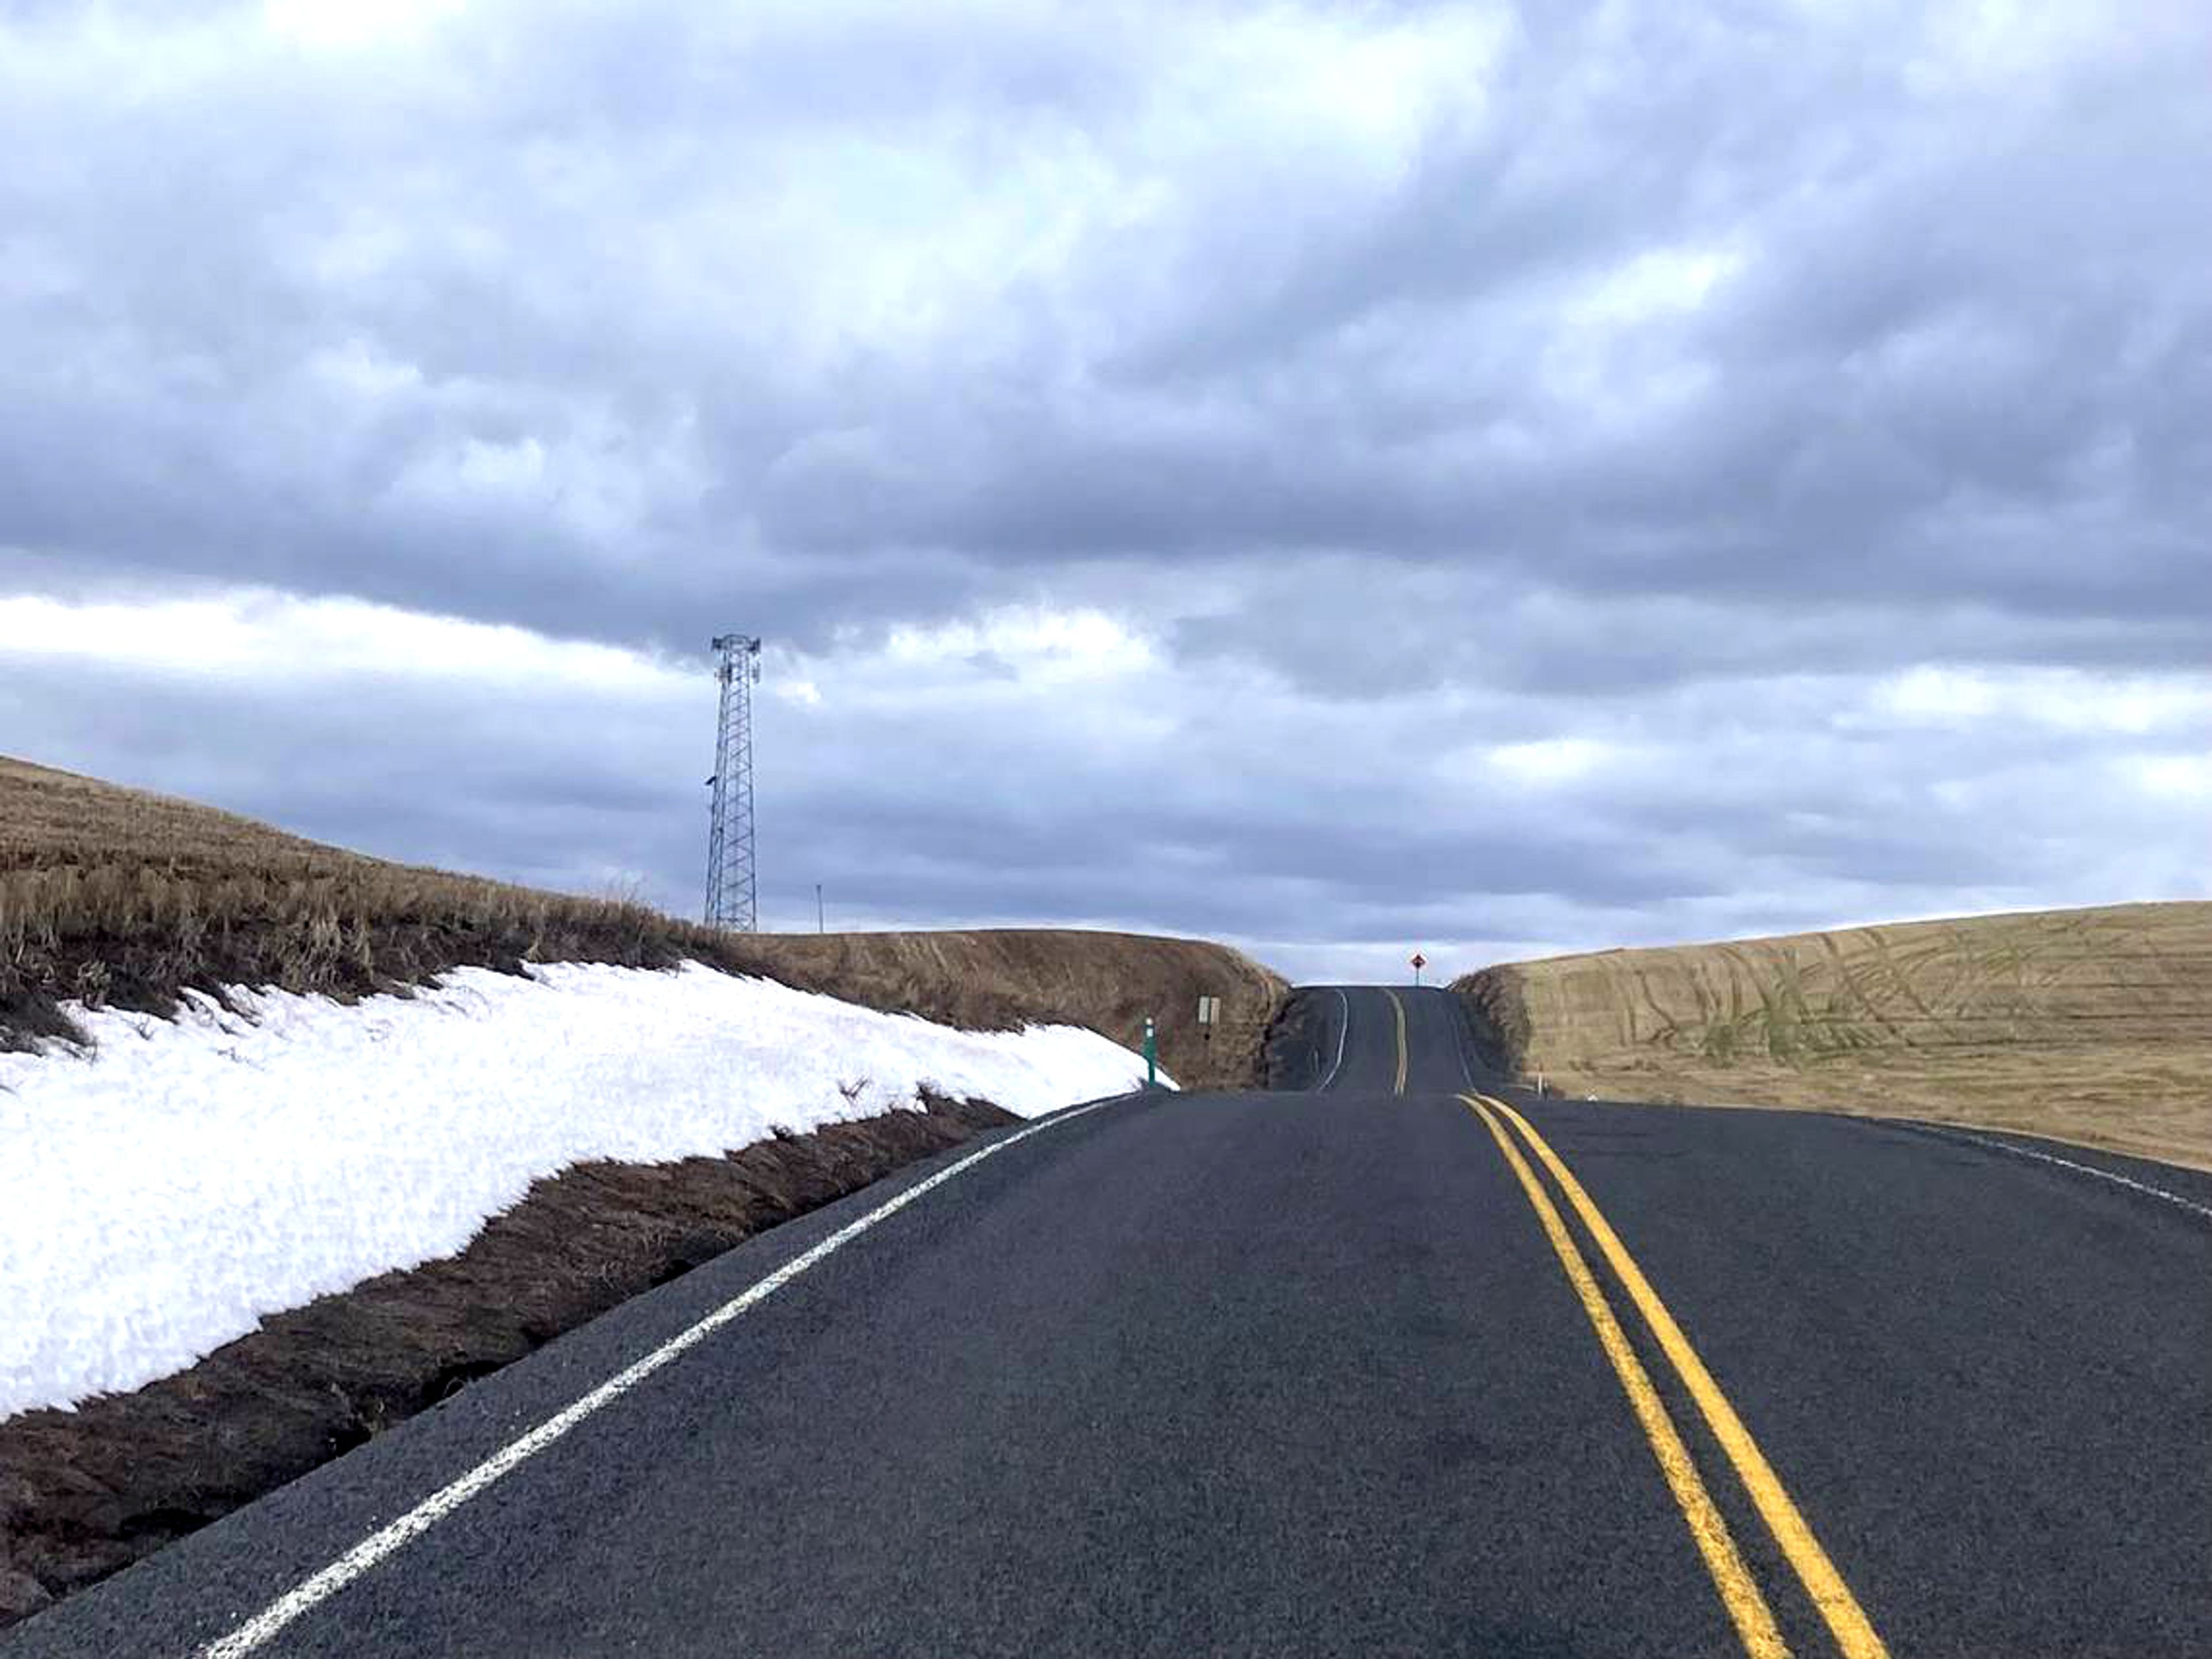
(1338, 478)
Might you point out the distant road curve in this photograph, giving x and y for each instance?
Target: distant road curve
(1411, 1363)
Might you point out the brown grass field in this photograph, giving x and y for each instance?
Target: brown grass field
(114, 895)
(2091, 1026)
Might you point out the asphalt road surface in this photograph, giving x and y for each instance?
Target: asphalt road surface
(1411, 1363)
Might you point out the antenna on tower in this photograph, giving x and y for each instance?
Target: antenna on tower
(732, 898)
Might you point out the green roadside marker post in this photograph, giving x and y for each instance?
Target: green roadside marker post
(1151, 1055)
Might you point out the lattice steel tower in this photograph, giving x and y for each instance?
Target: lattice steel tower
(733, 899)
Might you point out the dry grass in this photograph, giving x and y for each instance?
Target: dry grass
(2094, 1026)
(996, 977)
(111, 895)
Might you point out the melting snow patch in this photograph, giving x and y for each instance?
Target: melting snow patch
(164, 1189)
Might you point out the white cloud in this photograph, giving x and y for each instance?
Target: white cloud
(1038, 643)
(1552, 761)
(2185, 778)
(352, 24)
(2058, 700)
(1655, 282)
(283, 643)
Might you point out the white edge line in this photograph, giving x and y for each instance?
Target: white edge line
(1343, 1031)
(312, 1592)
(1944, 1131)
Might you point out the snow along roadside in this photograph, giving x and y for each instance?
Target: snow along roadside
(163, 1191)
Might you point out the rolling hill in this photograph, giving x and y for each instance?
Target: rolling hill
(2091, 1025)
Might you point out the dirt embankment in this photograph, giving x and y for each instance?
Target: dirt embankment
(84, 1493)
(114, 895)
(2088, 1025)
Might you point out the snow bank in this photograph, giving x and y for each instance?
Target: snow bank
(163, 1190)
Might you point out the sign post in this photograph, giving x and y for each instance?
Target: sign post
(1151, 1055)
(1419, 963)
(1209, 1016)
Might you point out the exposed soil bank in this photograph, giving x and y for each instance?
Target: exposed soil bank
(85, 1493)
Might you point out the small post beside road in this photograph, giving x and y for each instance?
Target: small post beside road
(1151, 1055)
(1209, 1016)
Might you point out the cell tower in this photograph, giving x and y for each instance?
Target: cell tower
(732, 900)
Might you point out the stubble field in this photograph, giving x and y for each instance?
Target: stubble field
(2093, 1026)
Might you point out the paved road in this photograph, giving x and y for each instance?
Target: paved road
(1343, 1371)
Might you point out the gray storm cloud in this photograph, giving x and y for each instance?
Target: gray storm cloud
(1412, 388)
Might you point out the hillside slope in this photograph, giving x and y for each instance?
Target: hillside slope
(117, 896)
(2089, 1025)
(113, 897)
(985, 979)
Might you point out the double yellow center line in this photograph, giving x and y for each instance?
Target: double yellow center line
(1754, 1622)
